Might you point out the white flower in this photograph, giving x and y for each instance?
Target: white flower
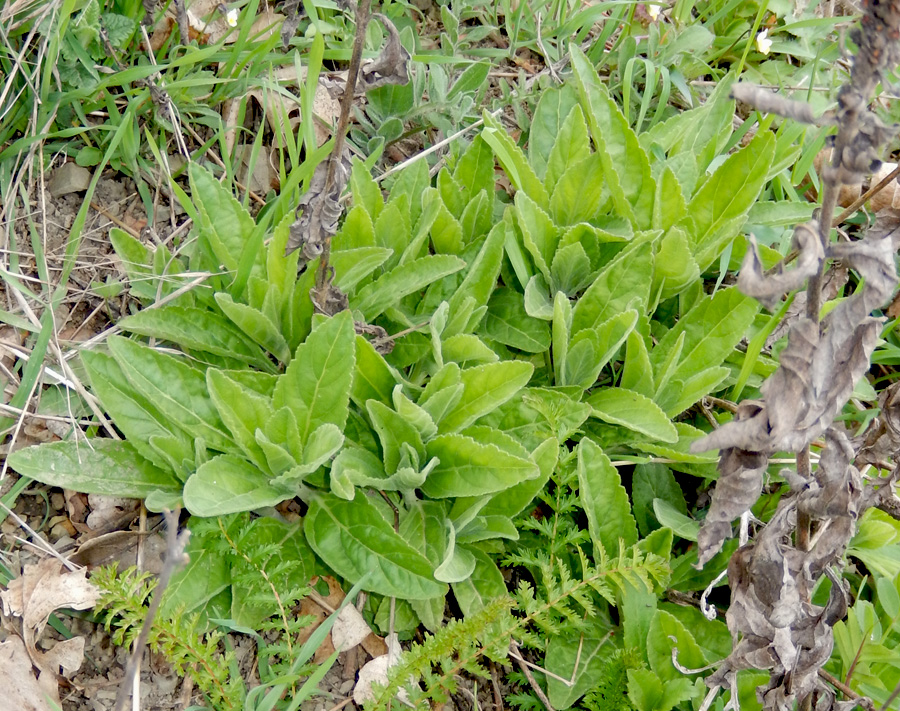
(231, 17)
(653, 11)
(763, 43)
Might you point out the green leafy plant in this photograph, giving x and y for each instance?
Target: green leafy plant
(494, 348)
(260, 579)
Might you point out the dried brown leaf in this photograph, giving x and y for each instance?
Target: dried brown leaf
(391, 66)
(768, 289)
(31, 598)
(321, 211)
(23, 688)
(764, 100)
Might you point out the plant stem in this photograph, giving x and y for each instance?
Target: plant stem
(363, 14)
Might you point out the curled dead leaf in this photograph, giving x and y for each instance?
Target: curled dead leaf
(768, 289)
(30, 599)
(391, 66)
(24, 689)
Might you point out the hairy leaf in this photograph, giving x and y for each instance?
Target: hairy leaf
(354, 539)
(604, 499)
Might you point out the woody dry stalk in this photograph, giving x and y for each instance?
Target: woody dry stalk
(773, 623)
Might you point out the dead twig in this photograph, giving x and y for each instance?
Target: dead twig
(175, 558)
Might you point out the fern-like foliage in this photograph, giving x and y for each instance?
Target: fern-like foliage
(611, 691)
(124, 599)
(428, 672)
(268, 583)
(563, 601)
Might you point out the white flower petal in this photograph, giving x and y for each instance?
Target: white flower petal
(763, 43)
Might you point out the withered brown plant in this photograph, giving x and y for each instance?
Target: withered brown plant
(773, 623)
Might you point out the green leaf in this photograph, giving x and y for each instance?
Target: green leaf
(719, 208)
(474, 170)
(513, 160)
(176, 389)
(579, 194)
(625, 164)
(365, 190)
(422, 526)
(637, 374)
(417, 416)
(316, 385)
(471, 468)
(634, 411)
(280, 439)
(412, 182)
(281, 271)
(325, 442)
(242, 410)
(604, 499)
(351, 266)
(393, 230)
(539, 235)
(649, 693)
(468, 349)
(228, 484)
(196, 329)
(442, 392)
(649, 482)
(551, 115)
(357, 232)
(669, 516)
(133, 413)
(589, 652)
(354, 539)
(485, 583)
(675, 266)
(637, 605)
(256, 325)
(514, 500)
(507, 322)
(623, 284)
(393, 430)
(659, 647)
(458, 562)
(446, 232)
(706, 335)
(136, 259)
(592, 348)
(479, 281)
(99, 466)
(353, 467)
(670, 205)
(570, 271)
(485, 388)
(403, 280)
(373, 378)
(225, 224)
(572, 145)
(561, 328)
(681, 451)
(477, 218)
(681, 394)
